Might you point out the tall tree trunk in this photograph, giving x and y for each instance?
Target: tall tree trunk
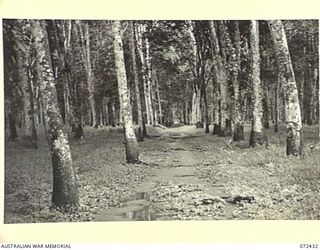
(113, 114)
(238, 133)
(136, 82)
(76, 111)
(34, 134)
(293, 115)
(65, 189)
(307, 88)
(139, 33)
(159, 101)
(220, 76)
(90, 78)
(149, 86)
(131, 145)
(276, 105)
(266, 104)
(196, 98)
(257, 136)
(206, 112)
(153, 98)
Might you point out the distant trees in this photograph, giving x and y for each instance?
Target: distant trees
(23, 54)
(221, 73)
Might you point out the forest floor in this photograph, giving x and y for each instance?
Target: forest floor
(185, 174)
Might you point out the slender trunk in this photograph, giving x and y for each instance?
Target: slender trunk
(266, 104)
(105, 111)
(136, 83)
(238, 133)
(34, 134)
(193, 108)
(139, 30)
(149, 82)
(276, 105)
(159, 101)
(90, 79)
(220, 76)
(257, 136)
(197, 107)
(153, 93)
(113, 115)
(196, 98)
(206, 114)
(65, 188)
(131, 145)
(307, 88)
(293, 115)
(77, 114)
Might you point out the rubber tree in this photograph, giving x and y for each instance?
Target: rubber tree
(131, 144)
(287, 79)
(257, 136)
(136, 81)
(220, 76)
(238, 133)
(65, 188)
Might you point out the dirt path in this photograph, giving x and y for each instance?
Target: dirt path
(173, 190)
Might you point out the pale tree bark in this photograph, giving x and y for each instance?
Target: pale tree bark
(196, 112)
(65, 189)
(131, 145)
(220, 76)
(257, 136)
(196, 107)
(136, 82)
(287, 78)
(238, 133)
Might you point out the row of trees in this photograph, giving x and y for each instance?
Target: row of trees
(66, 73)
